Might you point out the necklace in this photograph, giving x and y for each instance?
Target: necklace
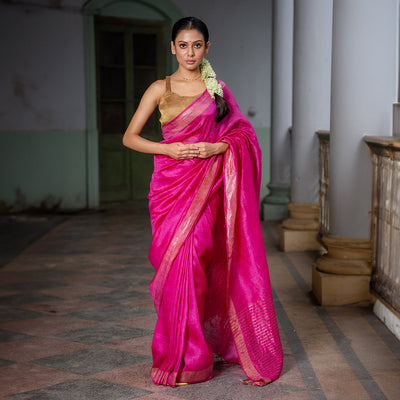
(190, 79)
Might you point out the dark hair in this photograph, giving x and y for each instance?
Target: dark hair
(222, 108)
(190, 23)
(195, 23)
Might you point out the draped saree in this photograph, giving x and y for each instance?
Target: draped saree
(211, 289)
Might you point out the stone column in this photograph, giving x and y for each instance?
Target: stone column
(311, 112)
(364, 87)
(274, 205)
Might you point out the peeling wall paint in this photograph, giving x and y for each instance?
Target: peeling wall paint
(42, 69)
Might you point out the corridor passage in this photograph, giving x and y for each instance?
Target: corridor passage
(76, 323)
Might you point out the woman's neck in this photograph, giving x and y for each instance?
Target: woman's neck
(188, 75)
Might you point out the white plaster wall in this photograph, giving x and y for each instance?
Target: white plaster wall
(42, 80)
(364, 87)
(42, 74)
(41, 70)
(312, 46)
(240, 35)
(282, 90)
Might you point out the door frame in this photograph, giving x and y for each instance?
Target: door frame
(154, 10)
(134, 187)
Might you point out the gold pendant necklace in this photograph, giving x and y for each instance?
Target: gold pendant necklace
(191, 79)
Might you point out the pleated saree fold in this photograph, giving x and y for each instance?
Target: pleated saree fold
(211, 289)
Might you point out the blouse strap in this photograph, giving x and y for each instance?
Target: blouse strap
(167, 84)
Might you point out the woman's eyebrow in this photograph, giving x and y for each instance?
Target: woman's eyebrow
(195, 41)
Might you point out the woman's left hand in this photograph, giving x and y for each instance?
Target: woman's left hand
(207, 150)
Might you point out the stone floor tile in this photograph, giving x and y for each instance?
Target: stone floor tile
(146, 304)
(7, 292)
(12, 273)
(124, 283)
(104, 334)
(131, 268)
(111, 313)
(26, 298)
(32, 286)
(12, 314)
(92, 265)
(64, 306)
(116, 296)
(162, 396)
(103, 264)
(92, 360)
(341, 384)
(145, 322)
(144, 289)
(37, 347)
(83, 389)
(17, 378)
(48, 325)
(76, 290)
(299, 396)
(389, 382)
(4, 363)
(83, 278)
(291, 374)
(135, 375)
(9, 336)
(141, 345)
(231, 388)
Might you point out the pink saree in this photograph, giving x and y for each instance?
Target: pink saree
(211, 289)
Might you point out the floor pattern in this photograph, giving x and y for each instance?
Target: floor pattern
(76, 322)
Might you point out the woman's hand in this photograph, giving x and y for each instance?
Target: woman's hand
(207, 150)
(181, 151)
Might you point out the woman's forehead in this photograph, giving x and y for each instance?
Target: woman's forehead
(189, 35)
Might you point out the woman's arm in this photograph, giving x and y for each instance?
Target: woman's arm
(147, 105)
(132, 138)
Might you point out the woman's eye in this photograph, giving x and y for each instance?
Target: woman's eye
(182, 46)
(197, 45)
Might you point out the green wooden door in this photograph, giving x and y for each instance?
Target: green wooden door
(129, 57)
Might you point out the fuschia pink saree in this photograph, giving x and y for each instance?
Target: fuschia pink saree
(211, 289)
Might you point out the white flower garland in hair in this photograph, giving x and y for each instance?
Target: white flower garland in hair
(209, 77)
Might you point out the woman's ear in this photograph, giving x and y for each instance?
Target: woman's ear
(173, 48)
(208, 44)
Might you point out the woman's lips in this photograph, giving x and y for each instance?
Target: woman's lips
(190, 62)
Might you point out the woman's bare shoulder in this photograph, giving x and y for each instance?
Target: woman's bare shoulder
(156, 90)
(158, 87)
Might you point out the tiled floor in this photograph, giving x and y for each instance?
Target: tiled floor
(76, 322)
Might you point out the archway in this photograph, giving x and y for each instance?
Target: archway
(139, 12)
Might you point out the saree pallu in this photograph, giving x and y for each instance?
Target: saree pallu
(211, 289)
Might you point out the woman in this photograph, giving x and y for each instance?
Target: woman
(211, 288)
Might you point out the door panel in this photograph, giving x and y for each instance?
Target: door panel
(130, 56)
(114, 164)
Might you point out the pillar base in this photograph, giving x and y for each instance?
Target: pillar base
(338, 290)
(274, 205)
(291, 240)
(342, 276)
(300, 231)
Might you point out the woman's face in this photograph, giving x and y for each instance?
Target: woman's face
(189, 48)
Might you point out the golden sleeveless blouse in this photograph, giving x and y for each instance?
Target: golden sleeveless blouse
(172, 104)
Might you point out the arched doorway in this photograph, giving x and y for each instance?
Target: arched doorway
(126, 50)
(129, 57)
